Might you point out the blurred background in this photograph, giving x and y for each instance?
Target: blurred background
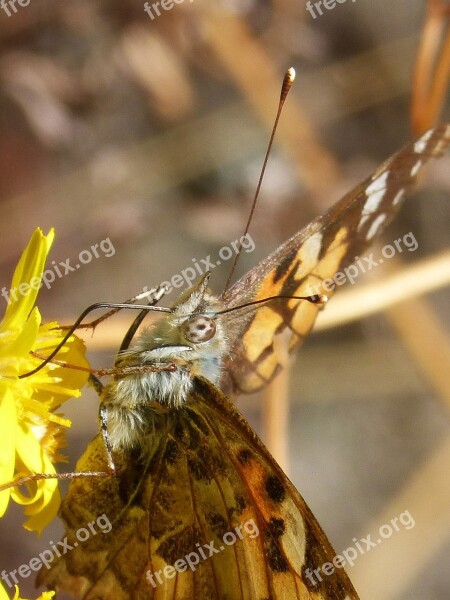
(150, 133)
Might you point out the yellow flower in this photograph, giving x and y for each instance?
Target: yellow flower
(43, 596)
(31, 432)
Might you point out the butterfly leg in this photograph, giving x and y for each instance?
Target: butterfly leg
(103, 418)
(116, 371)
(39, 476)
(134, 327)
(111, 472)
(155, 295)
(96, 383)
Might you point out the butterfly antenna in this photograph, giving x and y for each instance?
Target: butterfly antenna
(318, 299)
(287, 84)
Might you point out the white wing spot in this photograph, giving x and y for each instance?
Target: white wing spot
(421, 143)
(309, 255)
(373, 202)
(398, 197)
(364, 218)
(375, 193)
(375, 226)
(377, 184)
(416, 168)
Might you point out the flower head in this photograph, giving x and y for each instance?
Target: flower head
(31, 430)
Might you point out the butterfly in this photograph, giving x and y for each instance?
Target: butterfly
(198, 507)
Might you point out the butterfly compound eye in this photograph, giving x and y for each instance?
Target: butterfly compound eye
(200, 329)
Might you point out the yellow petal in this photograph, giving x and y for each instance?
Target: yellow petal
(30, 267)
(43, 498)
(4, 595)
(23, 341)
(29, 450)
(43, 596)
(7, 449)
(69, 381)
(45, 515)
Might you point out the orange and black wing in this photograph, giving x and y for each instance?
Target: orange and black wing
(308, 263)
(203, 512)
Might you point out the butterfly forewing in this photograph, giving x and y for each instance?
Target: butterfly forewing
(208, 486)
(311, 257)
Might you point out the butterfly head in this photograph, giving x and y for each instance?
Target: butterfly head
(191, 330)
(190, 338)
